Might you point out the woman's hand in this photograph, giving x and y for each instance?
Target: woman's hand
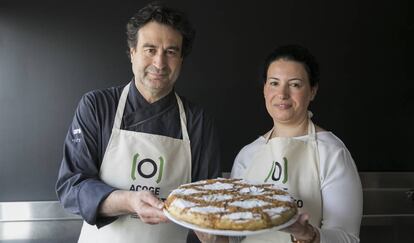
(209, 238)
(302, 231)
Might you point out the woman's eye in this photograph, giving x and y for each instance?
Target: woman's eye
(295, 85)
(273, 83)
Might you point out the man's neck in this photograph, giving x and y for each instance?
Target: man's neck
(152, 95)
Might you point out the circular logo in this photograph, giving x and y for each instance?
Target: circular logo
(154, 168)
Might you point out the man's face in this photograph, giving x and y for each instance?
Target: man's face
(156, 60)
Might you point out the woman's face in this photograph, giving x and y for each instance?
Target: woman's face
(287, 92)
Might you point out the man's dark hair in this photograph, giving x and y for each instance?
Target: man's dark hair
(295, 53)
(161, 14)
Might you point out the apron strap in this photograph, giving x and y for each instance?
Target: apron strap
(269, 134)
(311, 127)
(121, 106)
(311, 130)
(183, 118)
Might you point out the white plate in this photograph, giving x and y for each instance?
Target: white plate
(228, 232)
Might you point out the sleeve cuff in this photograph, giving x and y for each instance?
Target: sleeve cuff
(90, 196)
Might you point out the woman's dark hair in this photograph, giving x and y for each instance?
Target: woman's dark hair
(157, 12)
(295, 53)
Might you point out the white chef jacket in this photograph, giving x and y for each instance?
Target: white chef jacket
(340, 186)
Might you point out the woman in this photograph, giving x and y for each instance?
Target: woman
(313, 164)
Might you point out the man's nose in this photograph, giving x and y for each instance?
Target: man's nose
(159, 60)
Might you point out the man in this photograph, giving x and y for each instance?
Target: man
(130, 145)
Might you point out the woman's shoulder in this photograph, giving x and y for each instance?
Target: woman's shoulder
(243, 159)
(332, 151)
(328, 138)
(254, 145)
(250, 148)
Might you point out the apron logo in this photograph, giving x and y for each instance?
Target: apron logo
(276, 171)
(147, 162)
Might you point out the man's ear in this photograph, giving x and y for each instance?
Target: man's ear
(131, 53)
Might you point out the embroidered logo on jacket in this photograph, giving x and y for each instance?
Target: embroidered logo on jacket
(76, 135)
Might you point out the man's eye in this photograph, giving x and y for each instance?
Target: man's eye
(150, 51)
(172, 52)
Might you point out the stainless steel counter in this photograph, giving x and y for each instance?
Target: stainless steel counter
(388, 207)
(388, 214)
(43, 221)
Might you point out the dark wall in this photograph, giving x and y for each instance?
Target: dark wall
(52, 53)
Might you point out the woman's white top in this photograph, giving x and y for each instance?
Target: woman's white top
(340, 186)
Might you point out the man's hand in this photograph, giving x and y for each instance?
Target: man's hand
(147, 207)
(143, 204)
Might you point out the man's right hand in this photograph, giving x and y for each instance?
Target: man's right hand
(143, 203)
(147, 207)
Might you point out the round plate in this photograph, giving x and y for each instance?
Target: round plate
(228, 232)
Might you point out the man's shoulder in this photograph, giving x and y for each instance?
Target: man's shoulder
(105, 93)
(196, 111)
(103, 96)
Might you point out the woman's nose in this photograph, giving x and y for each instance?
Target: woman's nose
(283, 92)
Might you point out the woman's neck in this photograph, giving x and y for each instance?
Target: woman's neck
(289, 130)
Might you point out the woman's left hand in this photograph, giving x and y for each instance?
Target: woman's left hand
(208, 238)
(301, 230)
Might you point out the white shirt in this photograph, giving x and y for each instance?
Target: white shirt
(340, 186)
